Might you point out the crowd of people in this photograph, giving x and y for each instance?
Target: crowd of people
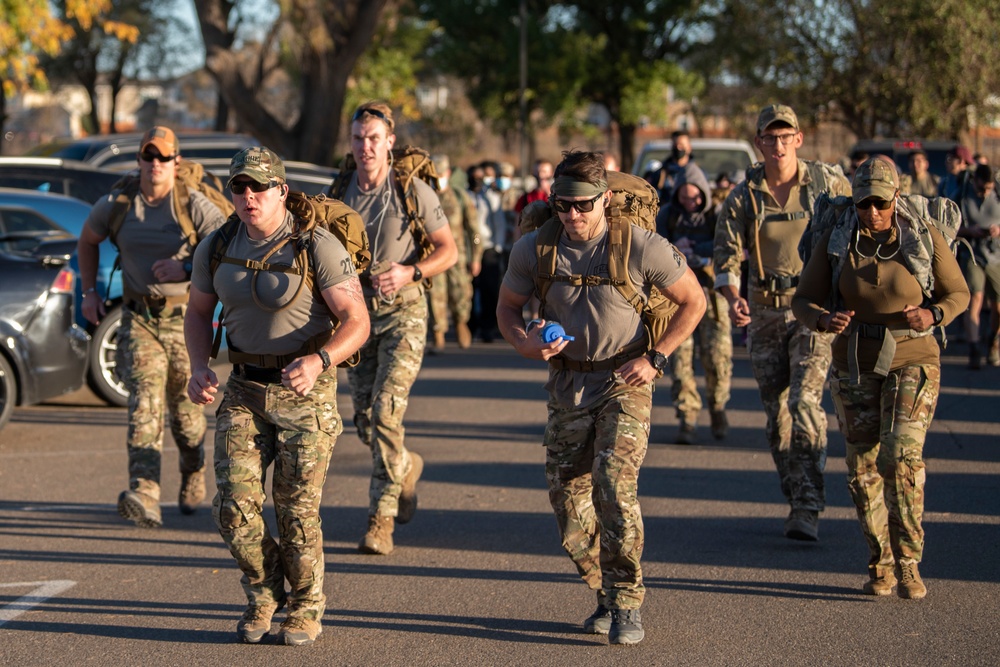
(864, 298)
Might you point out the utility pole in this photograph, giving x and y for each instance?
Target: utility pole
(523, 94)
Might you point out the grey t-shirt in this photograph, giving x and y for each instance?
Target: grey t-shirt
(599, 318)
(982, 213)
(150, 233)
(252, 329)
(384, 214)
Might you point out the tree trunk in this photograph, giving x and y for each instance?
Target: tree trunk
(221, 114)
(3, 116)
(626, 137)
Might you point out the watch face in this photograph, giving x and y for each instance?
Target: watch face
(659, 360)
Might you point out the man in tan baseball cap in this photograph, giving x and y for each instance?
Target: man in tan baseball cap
(163, 139)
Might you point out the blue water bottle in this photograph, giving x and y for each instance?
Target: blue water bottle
(552, 331)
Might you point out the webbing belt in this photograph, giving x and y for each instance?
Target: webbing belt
(885, 354)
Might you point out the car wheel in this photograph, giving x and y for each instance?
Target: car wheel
(8, 391)
(102, 375)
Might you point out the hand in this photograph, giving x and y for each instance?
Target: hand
(475, 268)
(93, 307)
(739, 312)
(300, 375)
(837, 322)
(533, 347)
(637, 372)
(203, 386)
(994, 230)
(169, 271)
(396, 278)
(917, 318)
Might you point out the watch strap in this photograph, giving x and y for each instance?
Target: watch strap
(325, 357)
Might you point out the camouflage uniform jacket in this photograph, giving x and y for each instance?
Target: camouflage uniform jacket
(461, 213)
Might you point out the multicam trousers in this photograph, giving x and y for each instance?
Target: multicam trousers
(592, 460)
(153, 363)
(452, 293)
(714, 338)
(790, 364)
(884, 421)
(380, 389)
(257, 425)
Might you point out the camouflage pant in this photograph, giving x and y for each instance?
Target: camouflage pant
(715, 346)
(885, 422)
(452, 293)
(592, 460)
(153, 363)
(256, 425)
(380, 389)
(790, 364)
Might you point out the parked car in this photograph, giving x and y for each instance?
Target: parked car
(899, 150)
(118, 151)
(65, 177)
(714, 156)
(43, 351)
(69, 214)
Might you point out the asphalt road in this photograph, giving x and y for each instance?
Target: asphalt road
(479, 578)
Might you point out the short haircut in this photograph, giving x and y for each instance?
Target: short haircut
(583, 166)
(983, 173)
(679, 133)
(375, 109)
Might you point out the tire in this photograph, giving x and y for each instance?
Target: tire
(8, 391)
(101, 370)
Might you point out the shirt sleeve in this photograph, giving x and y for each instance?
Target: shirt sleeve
(521, 269)
(730, 237)
(814, 286)
(951, 292)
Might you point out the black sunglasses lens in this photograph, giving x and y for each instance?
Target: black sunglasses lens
(359, 114)
(879, 204)
(149, 157)
(240, 187)
(564, 206)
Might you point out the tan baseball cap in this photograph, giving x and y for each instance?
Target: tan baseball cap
(875, 177)
(259, 163)
(776, 113)
(163, 139)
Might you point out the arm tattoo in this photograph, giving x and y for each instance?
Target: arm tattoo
(352, 287)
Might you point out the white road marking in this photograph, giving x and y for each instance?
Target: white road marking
(42, 592)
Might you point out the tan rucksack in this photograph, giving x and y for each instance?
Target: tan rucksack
(408, 162)
(310, 211)
(190, 176)
(633, 202)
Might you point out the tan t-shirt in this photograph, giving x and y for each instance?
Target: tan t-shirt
(252, 329)
(386, 222)
(150, 233)
(599, 318)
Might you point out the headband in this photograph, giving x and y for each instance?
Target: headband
(567, 186)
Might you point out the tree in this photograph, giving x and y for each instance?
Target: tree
(28, 30)
(318, 42)
(881, 67)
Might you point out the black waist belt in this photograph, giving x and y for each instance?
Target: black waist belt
(777, 283)
(630, 352)
(257, 374)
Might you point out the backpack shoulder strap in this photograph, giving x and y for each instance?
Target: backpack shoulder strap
(546, 249)
(120, 207)
(619, 251)
(182, 211)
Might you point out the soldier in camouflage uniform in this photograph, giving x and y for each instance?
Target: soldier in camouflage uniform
(872, 281)
(452, 290)
(280, 403)
(688, 221)
(394, 294)
(152, 360)
(765, 216)
(600, 384)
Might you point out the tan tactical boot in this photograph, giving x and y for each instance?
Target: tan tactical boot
(297, 631)
(256, 622)
(880, 581)
(438, 340)
(140, 509)
(911, 586)
(378, 539)
(993, 358)
(464, 335)
(408, 496)
(192, 491)
(720, 424)
(686, 436)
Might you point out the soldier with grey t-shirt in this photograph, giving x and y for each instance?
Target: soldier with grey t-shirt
(280, 404)
(600, 383)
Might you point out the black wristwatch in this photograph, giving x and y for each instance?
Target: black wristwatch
(937, 313)
(658, 359)
(325, 357)
(418, 275)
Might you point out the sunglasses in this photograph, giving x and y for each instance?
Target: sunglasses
(878, 203)
(585, 206)
(149, 157)
(360, 113)
(240, 187)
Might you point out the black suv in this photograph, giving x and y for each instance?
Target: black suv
(899, 150)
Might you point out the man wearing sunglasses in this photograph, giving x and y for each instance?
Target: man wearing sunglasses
(155, 256)
(280, 408)
(600, 382)
(397, 305)
(765, 217)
